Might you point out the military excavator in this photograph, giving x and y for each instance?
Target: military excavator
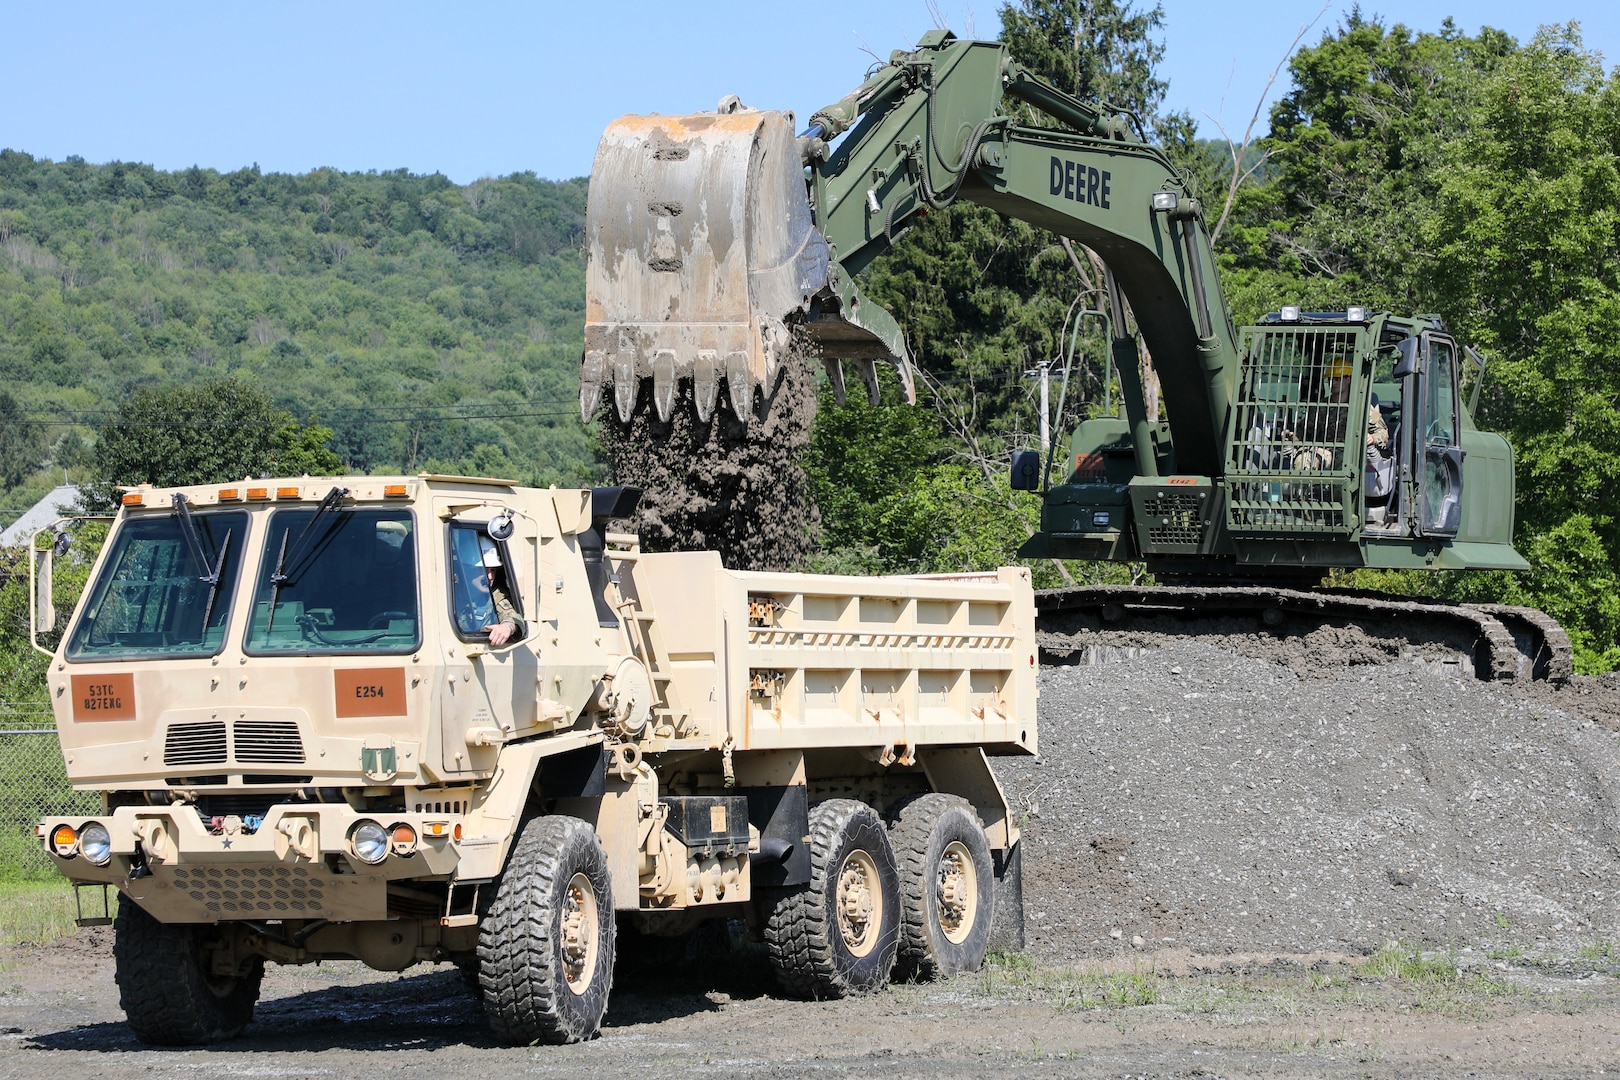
(718, 241)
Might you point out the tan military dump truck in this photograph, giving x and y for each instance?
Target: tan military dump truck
(433, 718)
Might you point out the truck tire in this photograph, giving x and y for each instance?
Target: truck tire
(836, 936)
(545, 949)
(947, 886)
(165, 987)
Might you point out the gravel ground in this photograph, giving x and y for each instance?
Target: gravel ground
(1187, 795)
(1216, 830)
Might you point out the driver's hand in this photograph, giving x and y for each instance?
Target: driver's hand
(500, 633)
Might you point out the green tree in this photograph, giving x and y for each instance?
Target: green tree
(22, 444)
(217, 431)
(1526, 241)
(1091, 48)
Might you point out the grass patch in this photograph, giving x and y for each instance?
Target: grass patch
(1435, 979)
(35, 912)
(1603, 951)
(1016, 975)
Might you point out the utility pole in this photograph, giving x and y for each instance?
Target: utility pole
(1044, 370)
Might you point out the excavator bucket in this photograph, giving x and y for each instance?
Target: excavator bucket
(701, 252)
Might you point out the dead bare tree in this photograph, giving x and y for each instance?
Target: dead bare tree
(1239, 151)
(960, 414)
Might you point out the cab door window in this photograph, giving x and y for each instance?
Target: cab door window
(481, 591)
(1437, 441)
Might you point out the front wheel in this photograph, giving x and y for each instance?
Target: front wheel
(545, 949)
(167, 986)
(836, 935)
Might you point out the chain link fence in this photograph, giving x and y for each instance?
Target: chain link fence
(33, 783)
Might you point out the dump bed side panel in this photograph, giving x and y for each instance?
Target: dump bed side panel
(781, 661)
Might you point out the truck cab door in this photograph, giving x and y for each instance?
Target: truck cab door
(488, 689)
(1435, 438)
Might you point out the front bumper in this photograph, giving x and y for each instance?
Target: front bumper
(297, 864)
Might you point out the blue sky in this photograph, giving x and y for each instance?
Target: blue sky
(479, 89)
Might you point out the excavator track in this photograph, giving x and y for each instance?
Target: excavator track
(1499, 642)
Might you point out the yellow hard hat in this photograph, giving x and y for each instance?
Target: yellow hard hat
(1337, 368)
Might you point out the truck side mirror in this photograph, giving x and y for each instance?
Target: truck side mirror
(44, 605)
(1026, 470)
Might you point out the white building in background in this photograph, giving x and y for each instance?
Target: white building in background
(59, 502)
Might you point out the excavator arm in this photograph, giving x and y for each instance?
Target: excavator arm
(712, 238)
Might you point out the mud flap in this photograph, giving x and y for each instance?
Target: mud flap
(781, 814)
(1007, 933)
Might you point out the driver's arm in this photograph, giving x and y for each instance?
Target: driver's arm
(511, 626)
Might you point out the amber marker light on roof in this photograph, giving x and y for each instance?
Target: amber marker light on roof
(229, 493)
(134, 498)
(394, 491)
(258, 493)
(288, 493)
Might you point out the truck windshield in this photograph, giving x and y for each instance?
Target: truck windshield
(348, 585)
(151, 597)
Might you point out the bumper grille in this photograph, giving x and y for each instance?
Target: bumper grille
(1176, 519)
(268, 742)
(249, 891)
(195, 744)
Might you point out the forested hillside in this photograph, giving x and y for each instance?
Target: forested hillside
(428, 325)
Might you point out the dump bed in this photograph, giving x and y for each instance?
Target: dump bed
(803, 661)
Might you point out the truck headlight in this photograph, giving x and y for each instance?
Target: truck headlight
(95, 843)
(369, 842)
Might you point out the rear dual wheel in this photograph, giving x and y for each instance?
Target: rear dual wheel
(947, 886)
(837, 935)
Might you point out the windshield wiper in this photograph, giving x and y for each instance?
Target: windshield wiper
(211, 569)
(194, 544)
(278, 576)
(311, 630)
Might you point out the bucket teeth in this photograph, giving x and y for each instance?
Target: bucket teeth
(740, 385)
(867, 370)
(835, 375)
(705, 382)
(591, 372)
(624, 384)
(663, 370)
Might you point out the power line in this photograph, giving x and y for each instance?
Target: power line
(68, 420)
(364, 414)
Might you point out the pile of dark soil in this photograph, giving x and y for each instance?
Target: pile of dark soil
(1248, 792)
(724, 485)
